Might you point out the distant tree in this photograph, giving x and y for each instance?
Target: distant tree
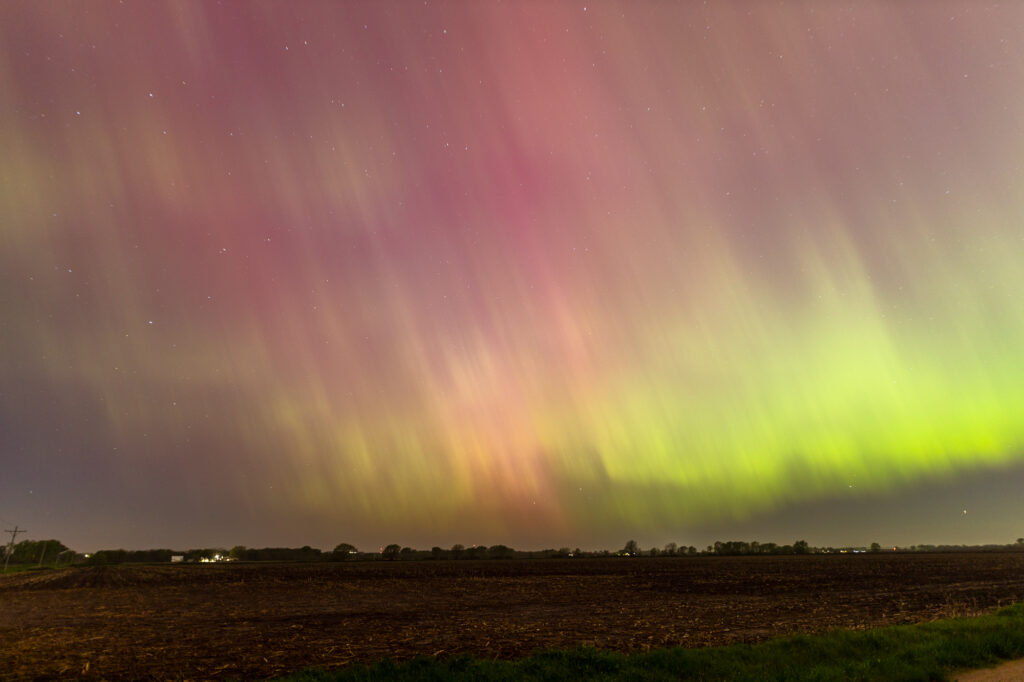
(801, 547)
(875, 548)
(653, 551)
(669, 549)
(149, 556)
(391, 552)
(691, 551)
(457, 551)
(631, 548)
(500, 552)
(344, 552)
(738, 548)
(1020, 541)
(305, 553)
(437, 553)
(36, 551)
(191, 555)
(408, 553)
(113, 556)
(731, 547)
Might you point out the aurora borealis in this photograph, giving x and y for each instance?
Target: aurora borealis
(540, 273)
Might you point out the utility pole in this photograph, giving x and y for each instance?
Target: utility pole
(10, 545)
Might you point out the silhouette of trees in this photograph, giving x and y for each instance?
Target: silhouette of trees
(35, 551)
(207, 554)
(241, 553)
(500, 552)
(742, 548)
(344, 552)
(48, 552)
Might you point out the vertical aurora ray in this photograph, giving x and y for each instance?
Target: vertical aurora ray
(520, 273)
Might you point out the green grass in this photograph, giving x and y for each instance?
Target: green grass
(929, 651)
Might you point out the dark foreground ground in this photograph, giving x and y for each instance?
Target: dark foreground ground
(252, 621)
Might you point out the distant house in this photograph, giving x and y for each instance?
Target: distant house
(177, 558)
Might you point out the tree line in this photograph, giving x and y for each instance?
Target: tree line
(55, 553)
(41, 552)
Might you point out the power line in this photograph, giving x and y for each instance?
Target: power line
(10, 545)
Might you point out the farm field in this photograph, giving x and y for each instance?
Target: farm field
(249, 621)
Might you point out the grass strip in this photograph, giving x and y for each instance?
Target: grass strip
(927, 651)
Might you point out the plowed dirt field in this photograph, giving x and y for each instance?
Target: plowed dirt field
(259, 620)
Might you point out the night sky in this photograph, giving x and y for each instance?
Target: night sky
(536, 273)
